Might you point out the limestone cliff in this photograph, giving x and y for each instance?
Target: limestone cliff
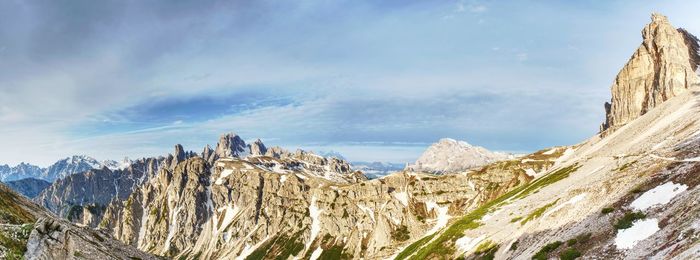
(661, 68)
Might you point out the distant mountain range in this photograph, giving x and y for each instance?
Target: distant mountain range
(60, 169)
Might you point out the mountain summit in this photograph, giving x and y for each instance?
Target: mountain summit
(449, 155)
(661, 68)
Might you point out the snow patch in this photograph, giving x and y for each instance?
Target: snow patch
(550, 151)
(283, 178)
(466, 243)
(659, 195)
(402, 197)
(225, 173)
(314, 212)
(316, 254)
(571, 201)
(368, 210)
(640, 230)
(530, 172)
(442, 217)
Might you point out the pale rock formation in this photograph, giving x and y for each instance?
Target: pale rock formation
(661, 68)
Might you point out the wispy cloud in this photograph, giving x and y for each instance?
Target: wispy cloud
(120, 78)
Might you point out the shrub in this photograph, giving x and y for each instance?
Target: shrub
(401, 233)
(607, 210)
(514, 246)
(569, 254)
(542, 254)
(571, 242)
(626, 221)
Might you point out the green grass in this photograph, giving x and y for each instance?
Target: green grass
(628, 219)
(486, 250)
(281, 247)
(544, 251)
(442, 245)
(538, 212)
(413, 247)
(515, 219)
(606, 210)
(569, 254)
(547, 180)
(571, 242)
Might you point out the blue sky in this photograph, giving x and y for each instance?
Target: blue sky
(374, 80)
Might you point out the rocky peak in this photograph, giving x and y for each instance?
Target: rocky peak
(661, 68)
(179, 153)
(230, 145)
(257, 148)
(449, 155)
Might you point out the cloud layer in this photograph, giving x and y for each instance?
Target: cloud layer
(375, 81)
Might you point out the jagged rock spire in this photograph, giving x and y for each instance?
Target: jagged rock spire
(661, 68)
(257, 148)
(230, 145)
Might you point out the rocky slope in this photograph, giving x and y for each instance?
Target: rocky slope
(28, 187)
(449, 156)
(662, 67)
(27, 231)
(629, 194)
(260, 207)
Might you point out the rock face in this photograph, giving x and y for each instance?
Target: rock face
(449, 156)
(58, 239)
(661, 68)
(82, 197)
(28, 187)
(282, 206)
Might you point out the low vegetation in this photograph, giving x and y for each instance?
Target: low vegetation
(538, 212)
(486, 250)
(544, 251)
(401, 233)
(569, 254)
(606, 210)
(628, 219)
(443, 244)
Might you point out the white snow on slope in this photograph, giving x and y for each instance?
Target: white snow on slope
(571, 201)
(442, 217)
(659, 195)
(466, 243)
(640, 230)
(315, 212)
(550, 151)
(316, 254)
(225, 173)
(402, 197)
(367, 210)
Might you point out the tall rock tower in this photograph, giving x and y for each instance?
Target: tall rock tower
(661, 68)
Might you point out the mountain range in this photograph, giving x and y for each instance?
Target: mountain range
(627, 192)
(60, 169)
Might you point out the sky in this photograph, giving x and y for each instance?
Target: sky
(373, 80)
